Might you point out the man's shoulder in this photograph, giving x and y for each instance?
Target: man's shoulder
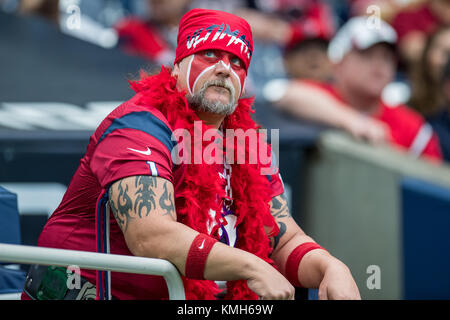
(134, 107)
(132, 115)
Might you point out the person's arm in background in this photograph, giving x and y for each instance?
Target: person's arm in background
(144, 209)
(318, 268)
(307, 102)
(266, 27)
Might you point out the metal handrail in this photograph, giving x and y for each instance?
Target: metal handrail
(96, 261)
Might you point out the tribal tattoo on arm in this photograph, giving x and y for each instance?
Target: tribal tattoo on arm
(279, 210)
(137, 197)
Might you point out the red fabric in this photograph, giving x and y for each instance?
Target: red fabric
(25, 296)
(141, 38)
(114, 159)
(403, 122)
(294, 259)
(421, 19)
(202, 29)
(198, 253)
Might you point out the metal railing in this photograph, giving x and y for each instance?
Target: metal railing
(96, 261)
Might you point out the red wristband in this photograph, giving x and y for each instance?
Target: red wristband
(198, 253)
(294, 259)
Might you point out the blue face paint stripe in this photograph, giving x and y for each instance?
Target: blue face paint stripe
(146, 122)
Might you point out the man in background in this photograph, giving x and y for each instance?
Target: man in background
(364, 61)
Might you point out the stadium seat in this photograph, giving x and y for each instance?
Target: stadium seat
(12, 278)
(426, 221)
(9, 218)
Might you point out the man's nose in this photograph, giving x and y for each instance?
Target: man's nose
(222, 67)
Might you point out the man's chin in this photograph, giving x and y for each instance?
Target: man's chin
(213, 97)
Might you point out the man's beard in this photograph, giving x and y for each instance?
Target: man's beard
(200, 103)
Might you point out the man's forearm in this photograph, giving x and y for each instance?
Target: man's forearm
(172, 240)
(313, 104)
(313, 265)
(305, 263)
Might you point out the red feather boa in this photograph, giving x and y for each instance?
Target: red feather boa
(202, 186)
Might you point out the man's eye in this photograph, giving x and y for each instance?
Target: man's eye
(236, 61)
(210, 54)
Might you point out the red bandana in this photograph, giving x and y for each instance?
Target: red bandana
(202, 29)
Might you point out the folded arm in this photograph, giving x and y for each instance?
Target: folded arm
(314, 104)
(145, 211)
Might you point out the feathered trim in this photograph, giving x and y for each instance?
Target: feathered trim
(201, 185)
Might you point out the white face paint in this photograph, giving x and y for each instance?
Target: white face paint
(199, 65)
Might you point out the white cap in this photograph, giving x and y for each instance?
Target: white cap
(360, 33)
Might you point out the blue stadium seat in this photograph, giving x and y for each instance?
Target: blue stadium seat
(11, 280)
(426, 240)
(9, 218)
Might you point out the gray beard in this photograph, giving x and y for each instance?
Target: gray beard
(200, 103)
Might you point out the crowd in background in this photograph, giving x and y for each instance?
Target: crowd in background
(407, 70)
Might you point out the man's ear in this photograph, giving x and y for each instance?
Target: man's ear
(176, 70)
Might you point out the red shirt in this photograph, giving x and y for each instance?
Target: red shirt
(406, 125)
(131, 140)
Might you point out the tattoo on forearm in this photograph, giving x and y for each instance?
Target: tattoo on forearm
(145, 198)
(282, 231)
(279, 209)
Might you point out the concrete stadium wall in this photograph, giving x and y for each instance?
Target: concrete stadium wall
(352, 207)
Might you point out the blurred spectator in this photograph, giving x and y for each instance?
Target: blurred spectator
(308, 59)
(441, 120)
(45, 8)
(286, 23)
(426, 75)
(305, 54)
(154, 38)
(290, 39)
(364, 63)
(413, 25)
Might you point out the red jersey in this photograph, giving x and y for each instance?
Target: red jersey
(131, 140)
(408, 129)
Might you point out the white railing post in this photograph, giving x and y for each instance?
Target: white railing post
(96, 261)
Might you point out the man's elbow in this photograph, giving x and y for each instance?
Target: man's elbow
(148, 244)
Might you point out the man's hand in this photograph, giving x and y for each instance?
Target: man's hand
(364, 128)
(269, 284)
(338, 283)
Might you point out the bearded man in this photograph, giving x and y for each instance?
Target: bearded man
(224, 225)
